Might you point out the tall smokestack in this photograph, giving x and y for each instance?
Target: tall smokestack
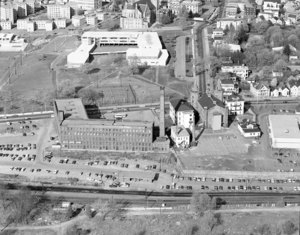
(162, 113)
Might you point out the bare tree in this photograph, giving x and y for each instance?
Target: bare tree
(202, 202)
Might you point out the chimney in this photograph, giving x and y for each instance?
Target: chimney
(162, 113)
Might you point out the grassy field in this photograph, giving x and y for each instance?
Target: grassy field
(229, 224)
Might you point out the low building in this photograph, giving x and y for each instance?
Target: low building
(249, 129)
(294, 86)
(60, 23)
(78, 21)
(284, 131)
(22, 24)
(180, 136)
(11, 43)
(235, 104)
(30, 26)
(5, 25)
(91, 19)
(102, 16)
(44, 25)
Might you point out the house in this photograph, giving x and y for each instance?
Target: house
(218, 40)
(182, 113)
(294, 86)
(229, 46)
(272, 6)
(260, 90)
(212, 111)
(249, 129)
(235, 104)
(217, 33)
(274, 92)
(277, 73)
(291, 19)
(283, 91)
(241, 71)
(180, 136)
(228, 86)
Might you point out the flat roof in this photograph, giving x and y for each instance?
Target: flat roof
(108, 123)
(285, 126)
(72, 108)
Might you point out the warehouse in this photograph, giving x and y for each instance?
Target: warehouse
(284, 131)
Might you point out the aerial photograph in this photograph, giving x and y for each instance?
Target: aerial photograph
(149, 117)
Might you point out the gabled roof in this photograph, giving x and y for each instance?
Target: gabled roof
(249, 126)
(210, 101)
(294, 82)
(260, 85)
(179, 131)
(145, 2)
(181, 105)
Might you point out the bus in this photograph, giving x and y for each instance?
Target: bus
(120, 115)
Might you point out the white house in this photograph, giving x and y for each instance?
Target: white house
(294, 86)
(182, 113)
(274, 92)
(259, 90)
(217, 33)
(235, 104)
(284, 91)
(180, 136)
(227, 86)
(249, 129)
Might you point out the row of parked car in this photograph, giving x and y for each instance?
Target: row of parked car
(19, 157)
(18, 147)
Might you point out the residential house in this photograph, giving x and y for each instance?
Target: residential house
(249, 129)
(235, 104)
(283, 91)
(272, 6)
(182, 113)
(277, 73)
(241, 71)
(218, 40)
(274, 92)
(180, 136)
(260, 90)
(226, 22)
(228, 86)
(231, 11)
(291, 19)
(294, 86)
(217, 33)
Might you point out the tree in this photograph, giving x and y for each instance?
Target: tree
(262, 26)
(241, 35)
(165, 19)
(280, 65)
(183, 12)
(201, 203)
(70, 212)
(88, 211)
(237, 57)
(293, 40)
(289, 227)
(276, 39)
(270, 31)
(190, 15)
(90, 96)
(66, 89)
(287, 50)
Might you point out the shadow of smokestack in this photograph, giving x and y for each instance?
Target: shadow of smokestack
(162, 112)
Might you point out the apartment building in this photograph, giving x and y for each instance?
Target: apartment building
(87, 4)
(78, 21)
(60, 23)
(182, 113)
(8, 12)
(91, 19)
(235, 104)
(21, 9)
(44, 25)
(57, 11)
(5, 25)
(30, 6)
